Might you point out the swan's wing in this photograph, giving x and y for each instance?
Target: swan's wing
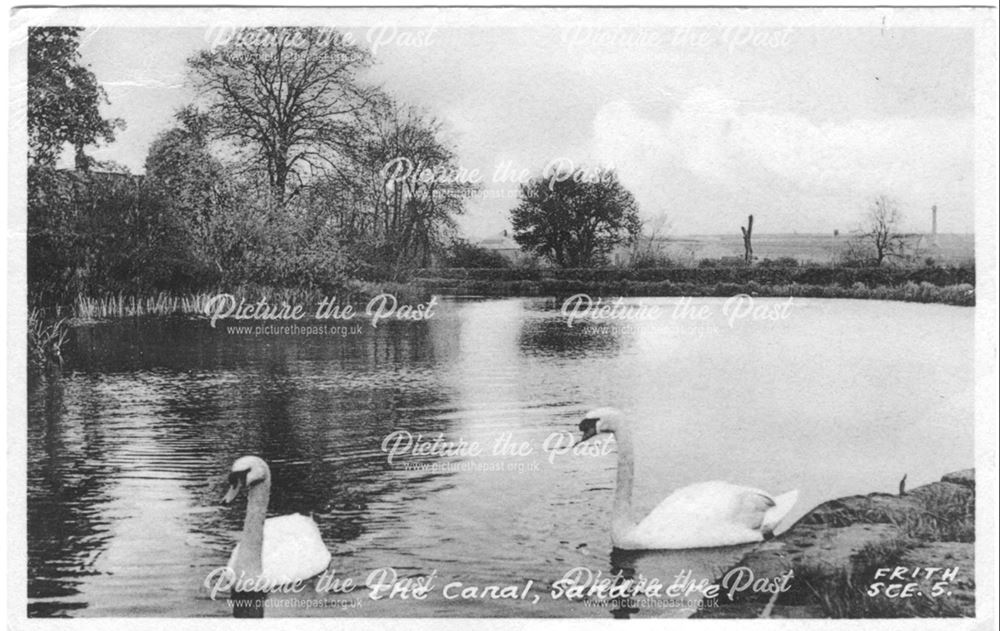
(719, 501)
(782, 506)
(293, 549)
(752, 507)
(705, 514)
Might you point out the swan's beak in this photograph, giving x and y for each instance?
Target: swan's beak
(588, 429)
(237, 480)
(230, 495)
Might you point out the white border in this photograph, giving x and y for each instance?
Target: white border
(984, 21)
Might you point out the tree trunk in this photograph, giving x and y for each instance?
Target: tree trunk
(747, 247)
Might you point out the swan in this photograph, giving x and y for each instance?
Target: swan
(702, 515)
(271, 552)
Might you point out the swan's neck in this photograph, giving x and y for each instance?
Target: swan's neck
(621, 521)
(248, 559)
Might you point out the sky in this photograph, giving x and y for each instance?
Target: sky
(801, 127)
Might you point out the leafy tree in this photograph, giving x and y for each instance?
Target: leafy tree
(396, 193)
(286, 98)
(233, 233)
(91, 233)
(63, 99)
(198, 190)
(179, 160)
(574, 218)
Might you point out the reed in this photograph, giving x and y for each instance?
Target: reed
(46, 339)
(88, 308)
(112, 306)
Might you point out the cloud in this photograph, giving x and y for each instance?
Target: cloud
(145, 83)
(896, 154)
(711, 151)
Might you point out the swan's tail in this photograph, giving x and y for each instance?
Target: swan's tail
(782, 505)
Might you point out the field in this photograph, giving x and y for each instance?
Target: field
(947, 249)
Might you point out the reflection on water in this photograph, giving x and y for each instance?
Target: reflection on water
(689, 572)
(128, 449)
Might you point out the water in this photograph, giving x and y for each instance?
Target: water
(129, 448)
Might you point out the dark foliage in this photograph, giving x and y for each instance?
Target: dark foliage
(461, 253)
(824, 275)
(101, 232)
(63, 98)
(575, 218)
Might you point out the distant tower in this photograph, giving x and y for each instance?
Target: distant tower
(934, 224)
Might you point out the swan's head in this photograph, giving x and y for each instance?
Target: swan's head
(245, 473)
(598, 421)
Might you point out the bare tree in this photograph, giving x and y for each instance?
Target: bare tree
(880, 230)
(288, 95)
(647, 251)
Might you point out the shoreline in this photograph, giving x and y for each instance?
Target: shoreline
(49, 325)
(962, 295)
(844, 552)
(682, 282)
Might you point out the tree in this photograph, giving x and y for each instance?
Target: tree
(880, 230)
(648, 247)
(63, 99)
(93, 233)
(395, 194)
(575, 217)
(285, 97)
(197, 189)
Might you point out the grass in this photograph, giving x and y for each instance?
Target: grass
(947, 516)
(941, 513)
(953, 285)
(703, 275)
(933, 513)
(111, 306)
(844, 594)
(121, 306)
(945, 285)
(930, 526)
(925, 292)
(46, 339)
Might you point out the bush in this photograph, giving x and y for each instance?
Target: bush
(805, 275)
(102, 232)
(941, 285)
(645, 259)
(461, 253)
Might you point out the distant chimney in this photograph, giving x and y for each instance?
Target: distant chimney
(934, 223)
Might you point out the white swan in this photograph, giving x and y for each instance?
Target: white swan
(276, 551)
(702, 515)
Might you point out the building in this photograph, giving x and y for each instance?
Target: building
(503, 245)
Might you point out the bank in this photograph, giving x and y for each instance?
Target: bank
(870, 556)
